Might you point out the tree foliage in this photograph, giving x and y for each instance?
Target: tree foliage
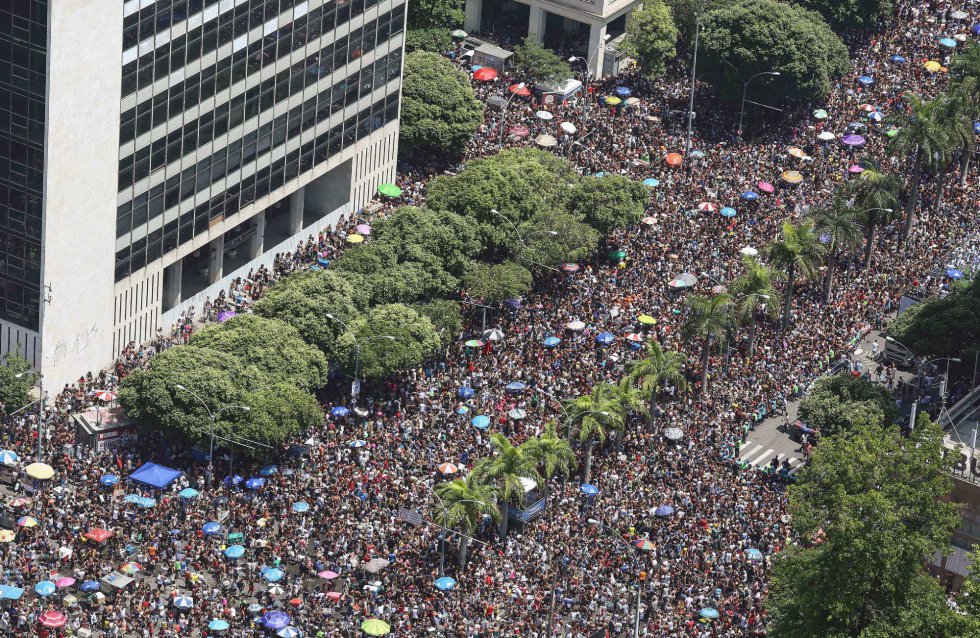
(14, 393)
(272, 346)
(445, 316)
(444, 15)
(439, 109)
(609, 203)
(651, 37)
(431, 39)
(498, 282)
(538, 64)
(757, 36)
(851, 14)
(574, 240)
(944, 327)
(415, 339)
(843, 403)
(878, 497)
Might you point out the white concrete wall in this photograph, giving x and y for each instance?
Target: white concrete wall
(84, 75)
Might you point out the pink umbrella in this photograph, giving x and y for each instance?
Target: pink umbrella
(64, 581)
(54, 619)
(766, 187)
(328, 575)
(363, 229)
(854, 168)
(333, 595)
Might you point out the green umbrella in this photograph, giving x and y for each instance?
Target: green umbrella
(617, 255)
(389, 190)
(459, 33)
(892, 132)
(375, 627)
(474, 343)
(820, 114)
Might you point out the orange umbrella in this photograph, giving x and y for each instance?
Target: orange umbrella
(519, 89)
(485, 74)
(674, 159)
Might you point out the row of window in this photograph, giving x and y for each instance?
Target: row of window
(199, 131)
(132, 215)
(159, 16)
(19, 303)
(227, 203)
(25, 20)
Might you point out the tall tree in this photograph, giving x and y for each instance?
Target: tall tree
(551, 453)
(838, 226)
(953, 115)
(709, 320)
(651, 37)
(753, 293)
(505, 470)
(655, 370)
(879, 499)
(538, 64)
(921, 140)
(851, 14)
(14, 392)
(463, 504)
(875, 194)
(440, 112)
(964, 71)
(799, 251)
(596, 414)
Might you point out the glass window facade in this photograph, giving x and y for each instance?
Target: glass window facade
(345, 69)
(23, 81)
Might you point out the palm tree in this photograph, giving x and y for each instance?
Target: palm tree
(799, 250)
(464, 503)
(658, 368)
(953, 117)
(964, 72)
(596, 414)
(505, 470)
(551, 454)
(839, 227)
(876, 194)
(753, 291)
(709, 318)
(922, 140)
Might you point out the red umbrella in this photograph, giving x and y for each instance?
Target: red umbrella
(674, 159)
(54, 619)
(106, 395)
(98, 534)
(295, 602)
(485, 74)
(519, 89)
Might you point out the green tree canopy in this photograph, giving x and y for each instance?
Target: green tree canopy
(440, 112)
(538, 64)
(278, 412)
(432, 39)
(758, 36)
(944, 327)
(879, 499)
(851, 14)
(497, 282)
(651, 37)
(575, 240)
(842, 403)
(272, 346)
(609, 203)
(14, 392)
(303, 299)
(445, 317)
(436, 14)
(415, 339)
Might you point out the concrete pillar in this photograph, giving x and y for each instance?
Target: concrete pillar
(296, 204)
(173, 277)
(536, 23)
(216, 259)
(257, 244)
(597, 48)
(474, 13)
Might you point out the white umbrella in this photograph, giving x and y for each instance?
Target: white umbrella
(749, 251)
(64, 552)
(568, 127)
(544, 115)
(494, 334)
(276, 590)
(674, 434)
(826, 136)
(375, 565)
(575, 325)
(546, 141)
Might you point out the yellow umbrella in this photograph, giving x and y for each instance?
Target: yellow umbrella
(612, 100)
(375, 627)
(796, 152)
(932, 66)
(792, 177)
(355, 238)
(6, 535)
(40, 471)
(646, 320)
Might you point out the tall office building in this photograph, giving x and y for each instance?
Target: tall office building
(151, 150)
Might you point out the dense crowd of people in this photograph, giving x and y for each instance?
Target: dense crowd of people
(329, 509)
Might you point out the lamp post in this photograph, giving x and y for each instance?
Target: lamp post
(40, 407)
(503, 115)
(588, 73)
(357, 352)
(694, 77)
(745, 89)
(212, 415)
(636, 562)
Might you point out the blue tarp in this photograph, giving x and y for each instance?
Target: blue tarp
(155, 475)
(11, 593)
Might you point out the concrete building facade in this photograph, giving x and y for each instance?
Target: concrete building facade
(156, 149)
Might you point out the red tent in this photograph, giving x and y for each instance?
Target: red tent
(98, 535)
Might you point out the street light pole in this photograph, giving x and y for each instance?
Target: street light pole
(694, 75)
(40, 408)
(211, 417)
(588, 74)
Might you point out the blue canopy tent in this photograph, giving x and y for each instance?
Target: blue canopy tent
(155, 475)
(11, 593)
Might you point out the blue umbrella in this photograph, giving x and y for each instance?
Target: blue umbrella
(753, 554)
(211, 527)
(949, 43)
(481, 422)
(254, 607)
(445, 583)
(235, 551)
(709, 612)
(875, 116)
(132, 498)
(727, 211)
(183, 602)
(254, 483)
(652, 182)
(513, 303)
(953, 273)
(233, 480)
(825, 238)
(146, 502)
(465, 393)
(7, 457)
(866, 80)
(90, 585)
(218, 625)
(358, 443)
(696, 154)
(45, 588)
(462, 410)
(750, 196)
(475, 67)
(663, 510)
(551, 342)
(268, 470)
(976, 128)
(605, 338)
(516, 386)
(109, 480)
(622, 91)
(289, 632)
(339, 411)
(588, 489)
(301, 506)
(273, 574)
(897, 59)
(975, 29)
(599, 174)
(187, 493)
